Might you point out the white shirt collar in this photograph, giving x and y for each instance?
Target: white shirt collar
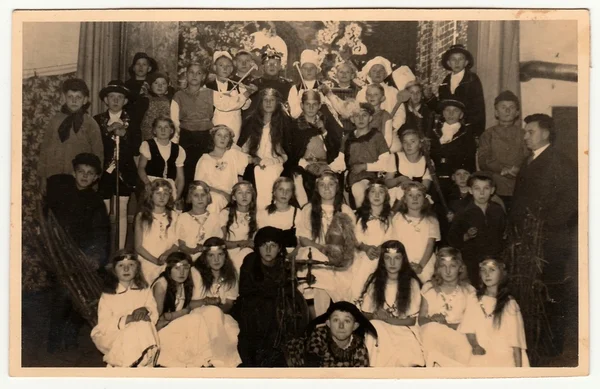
(114, 117)
(455, 79)
(222, 85)
(448, 132)
(536, 153)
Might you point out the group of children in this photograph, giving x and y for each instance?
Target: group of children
(229, 181)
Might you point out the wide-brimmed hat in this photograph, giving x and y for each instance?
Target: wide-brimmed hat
(457, 49)
(268, 234)
(115, 86)
(151, 61)
(345, 306)
(451, 102)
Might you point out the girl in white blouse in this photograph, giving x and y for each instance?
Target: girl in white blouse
(127, 314)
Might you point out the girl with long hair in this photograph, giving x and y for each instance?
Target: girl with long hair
(282, 212)
(263, 138)
(155, 229)
(391, 299)
(127, 314)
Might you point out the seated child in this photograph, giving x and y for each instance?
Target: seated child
(114, 122)
(161, 158)
(70, 132)
(502, 149)
(493, 322)
(390, 300)
(82, 214)
(155, 104)
(127, 316)
(338, 343)
(479, 229)
(443, 304)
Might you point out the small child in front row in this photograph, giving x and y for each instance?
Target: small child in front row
(479, 229)
(338, 343)
(155, 229)
(161, 158)
(416, 226)
(493, 322)
(127, 316)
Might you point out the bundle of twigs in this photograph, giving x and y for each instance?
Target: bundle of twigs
(72, 268)
(524, 257)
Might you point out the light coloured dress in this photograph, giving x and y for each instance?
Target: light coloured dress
(375, 235)
(195, 229)
(498, 342)
(124, 345)
(221, 173)
(265, 177)
(416, 171)
(396, 346)
(232, 118)
(414, 234)
(157, 239)
(239, 230)
(443, 345)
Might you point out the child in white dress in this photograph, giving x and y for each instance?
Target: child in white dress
(155, 229)
(417, 228)
(391, 299)
(282, 212)
(373, 227)
(443, 304)
(238, 222)
(127, 314)
(215, 291)
(221, 167)
(493, 322)
(198, 224)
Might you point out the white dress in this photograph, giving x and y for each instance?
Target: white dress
(396, 346)
(408, 169)
(125, 344)
(195, 229)
(265, 177)
(414, 234)
(221, 173)
(157, 239)
(443, 345)
(363, 266)
(232, 119)
(239, 230)
(498, 342)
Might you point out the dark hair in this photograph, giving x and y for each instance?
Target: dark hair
(75, 85)
(167, 119)
(479, 176)
(272, 208)
(363, 213)
(310, 93)
(111, 281)
(367, 107)
(379, 279)
(148, 204)
(316, 211)
(228, 272)
(544, 122)
(254, 124)
(507, 96)
(171, 292)
(232, 206)
(88, 159)
(503, 296)
(444, 252)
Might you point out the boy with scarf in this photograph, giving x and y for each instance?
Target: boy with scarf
(70, 132)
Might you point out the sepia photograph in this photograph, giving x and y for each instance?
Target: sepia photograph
(211, 193)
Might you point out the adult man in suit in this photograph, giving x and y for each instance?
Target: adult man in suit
(546, 188)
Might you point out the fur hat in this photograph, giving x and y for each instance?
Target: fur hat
(115, 86)
(344, 306)
(151, 61)
(87, 159)
(457, 49)
(340, 241)
(268, 234)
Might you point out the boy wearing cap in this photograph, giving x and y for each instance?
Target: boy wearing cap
(338, 343)
(113, 123)
(243, 61)
(70, 132)
(82, 214)
(310, 67)
(502, 149)
(464, 85)
(479, 229)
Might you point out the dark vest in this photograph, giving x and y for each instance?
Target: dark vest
(156, 165)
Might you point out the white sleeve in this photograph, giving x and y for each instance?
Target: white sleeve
(175, 115)
(151, 306)
(197, 281)
(304, 228)
(227, 103)
(145, 150)
(381, 165)
(399, 117)
(180, 158)
(361, 96)
(388, 132)
(339, 164)
(391, 164)
(294, 102)
(248, 100)
(240, 159)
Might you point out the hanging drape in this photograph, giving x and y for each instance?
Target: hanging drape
(496, 60)
(99, 60)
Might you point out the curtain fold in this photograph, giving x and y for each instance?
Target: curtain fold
(99, 59)
(497, 61)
